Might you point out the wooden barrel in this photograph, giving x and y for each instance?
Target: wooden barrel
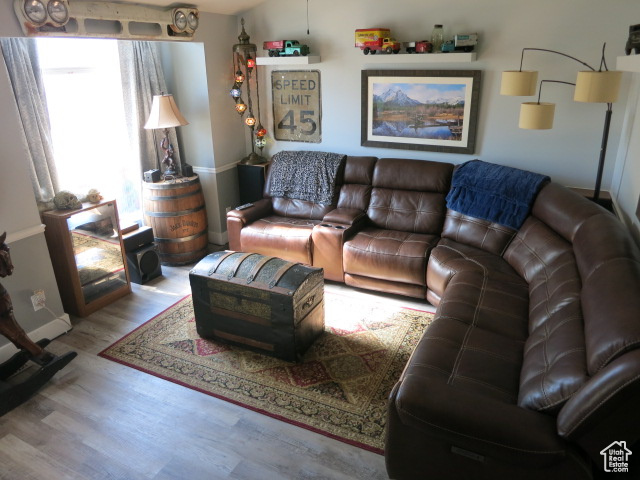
(176, 212)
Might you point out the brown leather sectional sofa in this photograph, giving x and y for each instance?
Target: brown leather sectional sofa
(531, 367)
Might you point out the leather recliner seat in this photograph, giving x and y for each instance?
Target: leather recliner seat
(531, 366)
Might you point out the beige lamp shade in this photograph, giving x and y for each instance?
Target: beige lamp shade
(597, 87)
(536, 116)
(518, 83)
(164, 113)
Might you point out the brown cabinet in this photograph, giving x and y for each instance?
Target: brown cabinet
(87, 254)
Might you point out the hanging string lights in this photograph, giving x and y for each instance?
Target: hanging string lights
(244, 65)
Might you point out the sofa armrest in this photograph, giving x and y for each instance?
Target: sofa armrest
(238, 219)
(345, 216)
(260, 209)
(480, 424)
(605, 409)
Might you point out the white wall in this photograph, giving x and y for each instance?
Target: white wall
(626, 181)
(568, 153)
(199, 76)
(20, 219)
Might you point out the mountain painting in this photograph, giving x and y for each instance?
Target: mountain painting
(434, 110)
(419, 110)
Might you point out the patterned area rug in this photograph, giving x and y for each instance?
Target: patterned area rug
(340, 388)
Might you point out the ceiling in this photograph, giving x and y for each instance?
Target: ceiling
(226, 7)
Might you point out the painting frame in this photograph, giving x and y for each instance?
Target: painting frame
(459, 121)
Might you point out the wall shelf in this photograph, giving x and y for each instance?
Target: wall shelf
(415, 58)
(628, 63)
(288, 60)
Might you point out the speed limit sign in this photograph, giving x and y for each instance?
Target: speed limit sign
(296, 105)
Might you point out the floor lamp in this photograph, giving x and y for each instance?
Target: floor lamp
(591, 86)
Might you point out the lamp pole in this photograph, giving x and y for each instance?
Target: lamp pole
(603, 152)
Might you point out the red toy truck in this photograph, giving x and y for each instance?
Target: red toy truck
(370, 40)
(423, 46)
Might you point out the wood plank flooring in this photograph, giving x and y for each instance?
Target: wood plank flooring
(100, 420)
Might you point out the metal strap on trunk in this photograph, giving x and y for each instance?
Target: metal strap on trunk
(220, 259)
(280, 272)
(236, 265)
(257, 267)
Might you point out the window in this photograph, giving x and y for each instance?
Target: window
(88, 129)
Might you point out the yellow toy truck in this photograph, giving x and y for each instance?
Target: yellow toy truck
(370, 40)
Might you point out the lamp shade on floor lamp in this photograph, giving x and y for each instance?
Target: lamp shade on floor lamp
(518, 83)
(597, 87)
(536, 116)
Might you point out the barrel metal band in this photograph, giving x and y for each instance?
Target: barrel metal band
(257, 267)
(217, 263)
(176, 183)
(181, 239)
(173, 197)
(174, 214)
(281, 271)
(175, 259)
(236, 265)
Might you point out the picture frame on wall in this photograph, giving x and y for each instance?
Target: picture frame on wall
(433, 110)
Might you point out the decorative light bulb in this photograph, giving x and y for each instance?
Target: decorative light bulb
(260, 142)
(261, 132)
(250, 121)
(250, 62)
(239, 77)
(241, 107)
(235, 92)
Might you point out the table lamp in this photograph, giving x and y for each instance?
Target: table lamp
(165, 114)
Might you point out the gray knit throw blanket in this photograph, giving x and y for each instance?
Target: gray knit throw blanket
(305, 175)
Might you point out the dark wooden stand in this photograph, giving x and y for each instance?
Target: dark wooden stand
(251, 182)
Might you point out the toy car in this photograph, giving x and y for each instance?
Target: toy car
(285, 48)
(466, 43)
(423, 46)
(461, 43)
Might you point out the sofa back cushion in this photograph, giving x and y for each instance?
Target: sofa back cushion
(554, 363)
(409, 195)
(358, 177)
(476, 232)
(563, 209)
(294, 208)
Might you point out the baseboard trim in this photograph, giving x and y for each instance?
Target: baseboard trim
(218, 238)
(51, 330)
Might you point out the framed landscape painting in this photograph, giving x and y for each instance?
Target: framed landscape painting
(432, 110)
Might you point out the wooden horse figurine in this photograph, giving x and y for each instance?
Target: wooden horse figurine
(13, 394)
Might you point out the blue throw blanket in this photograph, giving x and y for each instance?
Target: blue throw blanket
(492, 192)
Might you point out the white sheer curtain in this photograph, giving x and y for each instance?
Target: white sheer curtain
(21, 58)
(87, 152)
(142, 78)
